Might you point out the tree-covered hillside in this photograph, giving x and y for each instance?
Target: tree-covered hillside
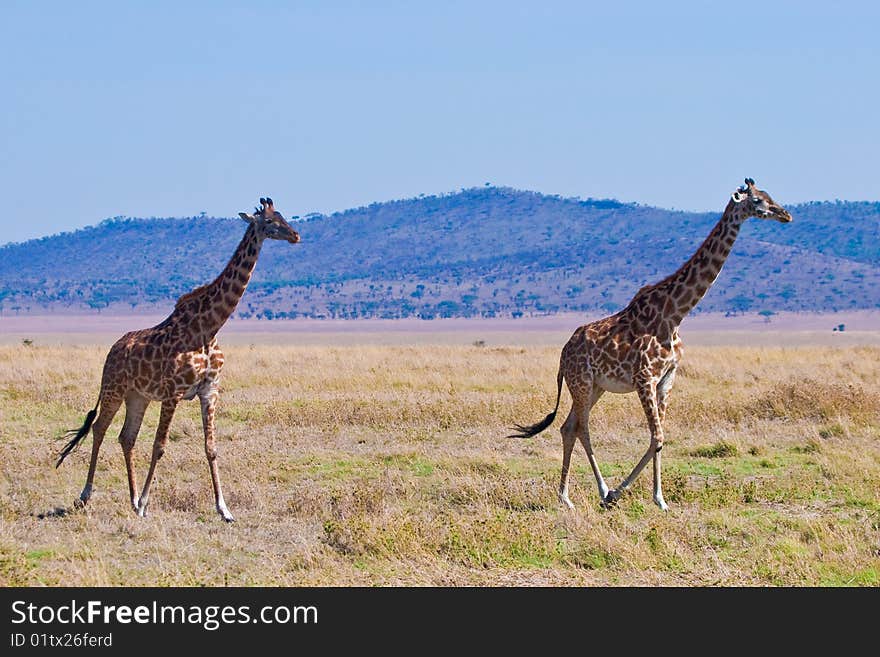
(484, 251)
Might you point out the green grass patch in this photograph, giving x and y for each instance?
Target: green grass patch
(811, 446)
(335, 468)
(674, 563)
(654, 541)
(789, 548)
(694, 468)
(856, 502)
(15, 567)
(635, 509)
(718, 450)
(35, 556)
(591, 557)
(414, 464)
(507, 539)
(831, 576)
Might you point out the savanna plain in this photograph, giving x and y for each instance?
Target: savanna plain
(387, 464)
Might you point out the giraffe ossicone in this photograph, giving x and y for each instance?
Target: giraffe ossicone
(638, 349)
(175, 360)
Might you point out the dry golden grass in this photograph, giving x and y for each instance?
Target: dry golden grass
(388, 465)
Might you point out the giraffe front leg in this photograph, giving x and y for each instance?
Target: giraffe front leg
(647, 392)
(663, 389)
(614, 495)
(168, 408)
(658, 490)
(209, 402)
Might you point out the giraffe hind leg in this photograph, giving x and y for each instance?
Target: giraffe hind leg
(584, 436)
(577, 426)
(135, 407)
(569, 436)
(168, 408)
(108, 409)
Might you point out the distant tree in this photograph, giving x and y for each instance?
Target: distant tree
(741, 303)
(448, 308)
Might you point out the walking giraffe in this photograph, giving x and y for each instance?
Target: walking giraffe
(175, 360)
(638, 349)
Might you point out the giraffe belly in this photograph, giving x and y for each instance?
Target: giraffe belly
(614, 384)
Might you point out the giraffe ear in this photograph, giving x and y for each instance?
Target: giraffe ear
(737, 196)
(247, 217)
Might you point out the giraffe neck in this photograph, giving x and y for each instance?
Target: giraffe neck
(661, 308)
(200, 314)
(690, 283)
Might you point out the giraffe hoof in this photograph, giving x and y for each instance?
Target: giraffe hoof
(84, 495)
(610, 500)
(565, 501)
(224, 512)
(79, 503)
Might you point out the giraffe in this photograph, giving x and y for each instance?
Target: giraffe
(175, 360)
(638, 349)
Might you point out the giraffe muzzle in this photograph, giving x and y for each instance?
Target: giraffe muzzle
(783, 217)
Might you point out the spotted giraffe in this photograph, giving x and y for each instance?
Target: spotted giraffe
(175, 360)
(638, 349)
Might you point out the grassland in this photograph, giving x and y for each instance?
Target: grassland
(387, 465)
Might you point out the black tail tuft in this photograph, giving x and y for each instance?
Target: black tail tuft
(529, 430)
(532, 429)
(77, 434)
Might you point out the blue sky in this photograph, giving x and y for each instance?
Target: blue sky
(171, 109)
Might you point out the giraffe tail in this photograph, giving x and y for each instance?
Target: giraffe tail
(527, 431)
(77, 435)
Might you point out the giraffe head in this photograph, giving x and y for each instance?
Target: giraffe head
(757, 203)
(269, 222)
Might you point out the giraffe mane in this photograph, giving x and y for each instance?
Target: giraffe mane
(645, 290)
(189, 296)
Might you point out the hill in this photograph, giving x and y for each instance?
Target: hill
(480, 252)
